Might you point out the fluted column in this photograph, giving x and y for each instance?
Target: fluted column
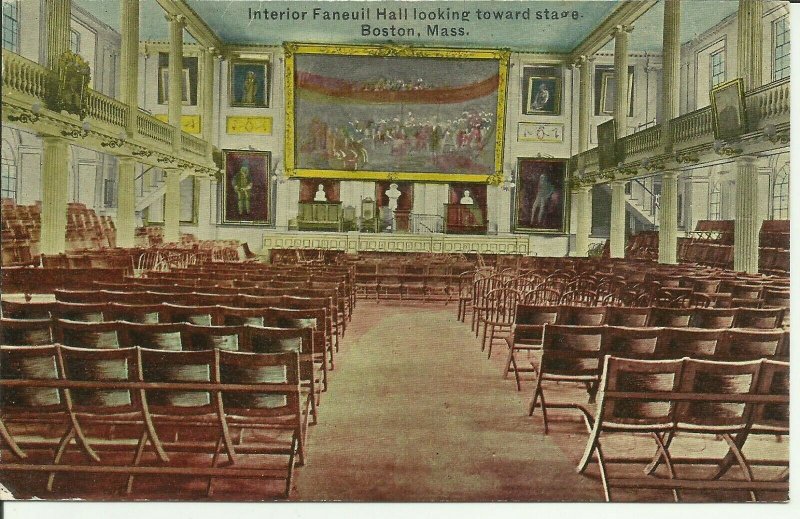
(126, 202)
(205, 229)
(621, 37)
(583, 219)
(618, 219)
(584, 66)
(670, 79)
(55, 188)
(176, 24)
(668, 219)
(751, 37)
(745, 236)
(129, 66)
(59, 14)
(172, 209)
(207, 97)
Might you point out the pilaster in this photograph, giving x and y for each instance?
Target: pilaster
(745, 236)
(618, 219)
(126, 202)
(582, 198)
(55, 189)
(172, 203)
(668, 219)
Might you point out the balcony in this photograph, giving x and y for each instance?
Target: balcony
(25, 84)
(693, 133)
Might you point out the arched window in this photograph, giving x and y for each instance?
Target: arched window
(780, 194)
(8, 183)
(715, 203)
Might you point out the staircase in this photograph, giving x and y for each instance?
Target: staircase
(643, 201)
(150, 187)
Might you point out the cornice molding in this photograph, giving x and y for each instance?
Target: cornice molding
(625, 14)
(198, 28)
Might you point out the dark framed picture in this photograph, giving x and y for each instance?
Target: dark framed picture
(163, 92)
(727, 107)
(608, 154)
(248, 83)
(246, 188)
(541, 196)
(544, 96)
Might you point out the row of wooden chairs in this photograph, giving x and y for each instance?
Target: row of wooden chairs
(184, 408)
(669, 399)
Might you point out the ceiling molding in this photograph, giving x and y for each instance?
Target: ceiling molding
(194, 24)
(627, 13)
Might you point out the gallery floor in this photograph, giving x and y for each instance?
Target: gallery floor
(415, 412)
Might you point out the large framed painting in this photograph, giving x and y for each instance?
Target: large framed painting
(248, 83)
(607, 151)
(246, 188)
(394, 112)
(727, 107)
(541, 202)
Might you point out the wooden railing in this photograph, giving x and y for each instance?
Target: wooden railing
(106, 109)
(24, 75)
(151, 127)
(645, 140)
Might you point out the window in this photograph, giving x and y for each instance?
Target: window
(780, 194)
(10, 25)
(715, 203)
(74, 41)
(780, 44)
(8, 183)
(717, 61)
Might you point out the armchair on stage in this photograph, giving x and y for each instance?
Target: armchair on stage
(319, 216)
(464, 219)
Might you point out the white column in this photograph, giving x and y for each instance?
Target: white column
(621, 37)
(59, 14)
(126, 202)
(176, 24)
(55, 190)
(745, 236)
(207, 97)
(584, 110)
(668, 219)
(750, 41)
(670, 78)
(129, 63)
(618, 219)
(204, 226)
(582, 198)
(172, 210)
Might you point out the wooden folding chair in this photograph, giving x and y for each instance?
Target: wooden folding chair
(26, 332)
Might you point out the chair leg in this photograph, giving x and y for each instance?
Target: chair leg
(509, 361)
(664, 454)
(491, 340)
(12, 445)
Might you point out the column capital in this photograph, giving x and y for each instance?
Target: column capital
(670, 174)
(621, 30)
(582, 60)
(746, 160)
(176, 19)
(617, 183)
(53, 139)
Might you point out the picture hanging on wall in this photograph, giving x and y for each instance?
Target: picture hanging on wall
(248, 83)
(607, 89)
(727, 105)
(541, 195)
(405, 114)
(246, 187)
(544, 96)
(608, 155)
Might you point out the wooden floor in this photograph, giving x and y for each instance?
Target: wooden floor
(416, 412)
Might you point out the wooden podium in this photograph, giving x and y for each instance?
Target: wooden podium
(464, 219)
(319, 216)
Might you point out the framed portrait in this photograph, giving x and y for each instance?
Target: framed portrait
(544, 96)
(248, 83)
(389, 112)
(608, 88)
(246, 187)
(608, 154)
(727, 107)
(541, 201)
(188, 81)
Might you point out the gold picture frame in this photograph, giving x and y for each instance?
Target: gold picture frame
(728, 109)
(292, 50)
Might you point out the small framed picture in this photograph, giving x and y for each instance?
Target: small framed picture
(248, 83)
(727, 107)
(163, 94)
(544, 96)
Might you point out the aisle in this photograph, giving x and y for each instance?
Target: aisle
(415, 412)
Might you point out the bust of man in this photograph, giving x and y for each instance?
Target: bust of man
(393, 194)
(466, 199)
(320, 195)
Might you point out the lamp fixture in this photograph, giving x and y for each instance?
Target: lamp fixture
(26, 116)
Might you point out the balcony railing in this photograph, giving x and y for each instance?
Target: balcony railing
(692, 125)
(645, 140)
(767, 102)
(21, 75)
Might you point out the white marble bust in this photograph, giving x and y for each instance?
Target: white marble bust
(466, 199)
(320, 195)
(393, 193)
